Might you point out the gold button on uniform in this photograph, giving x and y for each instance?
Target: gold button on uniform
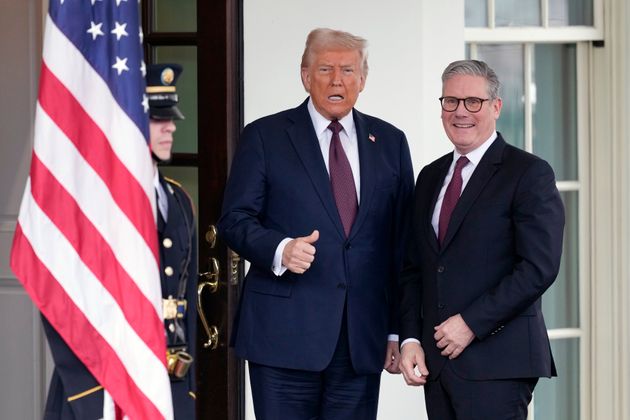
(168, 270)
(167, 243)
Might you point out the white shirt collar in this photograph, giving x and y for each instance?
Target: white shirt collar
(162, 200)
(475, 156)
(321, 123)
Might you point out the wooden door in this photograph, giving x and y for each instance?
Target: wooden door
(205, 37)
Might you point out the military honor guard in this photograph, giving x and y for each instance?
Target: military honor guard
(74, 393)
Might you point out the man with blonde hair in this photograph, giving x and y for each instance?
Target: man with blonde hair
(316, 201)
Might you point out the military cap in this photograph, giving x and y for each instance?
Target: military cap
(161, 91)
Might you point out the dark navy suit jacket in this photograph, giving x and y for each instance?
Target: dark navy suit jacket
(278, 188)
(501, 252)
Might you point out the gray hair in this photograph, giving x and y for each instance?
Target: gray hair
(322, 39)
(474, 68)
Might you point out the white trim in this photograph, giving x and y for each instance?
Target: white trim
(544, 13)
(533, 34)
(563, 333)
(584, 236)
(571, 185)
(528, 139)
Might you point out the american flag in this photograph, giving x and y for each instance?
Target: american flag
(85, 246)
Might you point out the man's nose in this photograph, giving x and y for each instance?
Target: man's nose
(336, 79)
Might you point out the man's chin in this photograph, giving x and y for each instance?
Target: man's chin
(162, 161)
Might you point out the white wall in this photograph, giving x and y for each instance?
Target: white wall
(407, 53)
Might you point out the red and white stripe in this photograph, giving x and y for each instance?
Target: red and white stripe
(85, 247)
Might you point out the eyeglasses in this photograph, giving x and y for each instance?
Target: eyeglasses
(472, 104)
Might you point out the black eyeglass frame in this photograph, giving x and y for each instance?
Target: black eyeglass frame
(481, 101)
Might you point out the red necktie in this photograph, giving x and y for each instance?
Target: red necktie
(453, 191)
(341, 179)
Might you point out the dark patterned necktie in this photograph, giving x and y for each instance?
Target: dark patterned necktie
(453, 191)
(341, 179)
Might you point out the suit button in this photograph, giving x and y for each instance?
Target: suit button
(168, 270)
(167, 242)
(440, 269)
(341, 286)
(348, 246)
(440, 306)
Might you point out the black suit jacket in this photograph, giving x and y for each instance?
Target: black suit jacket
(278, 188)
(501, 252)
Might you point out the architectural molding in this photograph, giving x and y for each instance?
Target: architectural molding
(619, 36)
(610, 177)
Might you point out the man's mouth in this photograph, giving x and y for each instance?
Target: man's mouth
(460, 125)
(335, 98)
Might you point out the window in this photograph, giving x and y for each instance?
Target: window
(538, 49)
(170, 29)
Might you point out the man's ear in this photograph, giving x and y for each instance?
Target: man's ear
(497, 105)
(306, 79)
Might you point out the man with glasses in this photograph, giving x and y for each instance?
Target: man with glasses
(485, 244)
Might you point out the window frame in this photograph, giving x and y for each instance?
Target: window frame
(580, 185)
(537, 34)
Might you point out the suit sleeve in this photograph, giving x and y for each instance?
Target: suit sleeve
(538, 223)
(410, 282)
(244, 203)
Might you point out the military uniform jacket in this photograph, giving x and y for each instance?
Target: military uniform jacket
(74, 393)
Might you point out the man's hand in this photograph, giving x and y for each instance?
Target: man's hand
(412, 364)
(299, 253)
(392, 358)
(453, 336)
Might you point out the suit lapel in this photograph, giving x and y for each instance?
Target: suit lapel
(368, 162)
(488, 165)
(304, 140)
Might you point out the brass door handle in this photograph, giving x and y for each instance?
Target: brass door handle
(212, 281)
(211, 277)
(211, 236)
(212, 331)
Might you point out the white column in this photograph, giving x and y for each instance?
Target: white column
(610, 156)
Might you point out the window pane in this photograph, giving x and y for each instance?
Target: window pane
(517, 13)
(570, 12)
(175, 15)
(186, 134)
(561, 301)
(507, 62)
(554, 107)
(476, 13)
(559, 398)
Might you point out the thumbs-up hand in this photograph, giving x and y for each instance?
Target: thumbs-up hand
(299, 253)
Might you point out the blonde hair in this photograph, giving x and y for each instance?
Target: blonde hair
(322, 39)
